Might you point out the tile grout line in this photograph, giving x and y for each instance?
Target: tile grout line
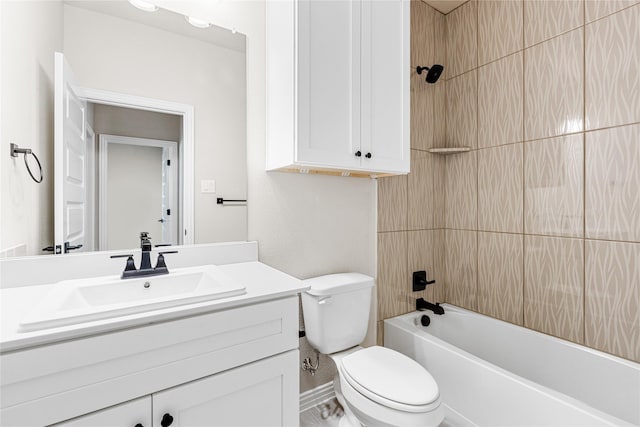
(550, 236)
(536, 139)
(584, 173)
(477, 137)
(524, 144)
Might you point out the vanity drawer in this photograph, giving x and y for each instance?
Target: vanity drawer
(55, 382)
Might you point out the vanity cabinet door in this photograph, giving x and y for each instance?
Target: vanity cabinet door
(263, 393)
(136, 413)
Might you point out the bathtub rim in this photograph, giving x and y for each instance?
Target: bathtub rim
(402, 322)
(564, 342)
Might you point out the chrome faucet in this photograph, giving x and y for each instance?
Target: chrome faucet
(130, 270)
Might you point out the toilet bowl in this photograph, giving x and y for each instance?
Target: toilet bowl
(382, 387)
(376, 386)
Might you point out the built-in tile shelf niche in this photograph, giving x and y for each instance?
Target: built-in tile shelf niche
(449, 150)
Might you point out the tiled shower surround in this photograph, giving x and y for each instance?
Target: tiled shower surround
(539, 224)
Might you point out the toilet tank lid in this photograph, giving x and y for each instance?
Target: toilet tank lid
(338, 283)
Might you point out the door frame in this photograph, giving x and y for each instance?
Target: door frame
(169, 152)
(90, 233)
(185, 148)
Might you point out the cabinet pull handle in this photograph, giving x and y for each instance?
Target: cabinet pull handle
(167, 420)
(368, 155)
(358, 153)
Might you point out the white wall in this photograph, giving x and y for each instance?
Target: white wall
(306, 225)
(118, 55)
(30, 33)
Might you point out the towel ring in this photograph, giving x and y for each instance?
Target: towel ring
(15, 150)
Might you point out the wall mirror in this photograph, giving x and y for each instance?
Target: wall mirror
(150, 128)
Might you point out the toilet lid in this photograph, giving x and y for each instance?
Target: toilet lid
(390, 375)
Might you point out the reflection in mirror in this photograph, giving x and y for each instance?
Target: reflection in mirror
(115, 48)
(132, 167)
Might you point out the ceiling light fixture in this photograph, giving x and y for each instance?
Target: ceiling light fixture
(198, 23)
(144, 5)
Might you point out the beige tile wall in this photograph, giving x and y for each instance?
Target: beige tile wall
(539, 224)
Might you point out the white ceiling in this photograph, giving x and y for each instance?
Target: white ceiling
(444, 6)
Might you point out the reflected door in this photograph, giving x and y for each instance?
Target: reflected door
(69, 160)
(137, 191)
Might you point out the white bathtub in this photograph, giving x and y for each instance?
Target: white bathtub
(494, 373)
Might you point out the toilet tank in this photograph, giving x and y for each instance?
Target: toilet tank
(336, 310)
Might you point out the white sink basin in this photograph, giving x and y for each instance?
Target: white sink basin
(72, 302)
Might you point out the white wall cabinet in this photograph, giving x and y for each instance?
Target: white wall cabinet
(338, 86)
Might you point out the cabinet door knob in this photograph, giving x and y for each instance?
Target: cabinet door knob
(358, 153)
(368, 155)
(138, 425)
(166, 420)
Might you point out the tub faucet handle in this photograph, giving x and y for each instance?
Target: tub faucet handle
(420, 281)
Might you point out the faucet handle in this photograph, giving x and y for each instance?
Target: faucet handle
(122, 256)
(160, 263)
(131, 265)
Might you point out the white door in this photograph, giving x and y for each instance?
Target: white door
(263, 393)
(328, 83)
(69, 160)
(137, 191)
(385, 85)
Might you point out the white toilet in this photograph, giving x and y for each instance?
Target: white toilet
(376, 386)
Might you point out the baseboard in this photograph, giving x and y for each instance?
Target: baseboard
(316, 396)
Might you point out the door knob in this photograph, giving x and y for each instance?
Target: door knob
(166, 420)
(68, 247)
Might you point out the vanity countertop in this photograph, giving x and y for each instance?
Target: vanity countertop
(261, 281)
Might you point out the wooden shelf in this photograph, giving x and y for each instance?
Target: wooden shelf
(452, 150)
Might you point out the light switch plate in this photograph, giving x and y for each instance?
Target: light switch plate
(207, 186)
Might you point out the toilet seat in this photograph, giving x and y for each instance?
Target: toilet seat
(391, 379)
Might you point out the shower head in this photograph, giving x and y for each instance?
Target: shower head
(433, 73)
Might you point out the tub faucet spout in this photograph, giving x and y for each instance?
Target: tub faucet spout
(421, 304)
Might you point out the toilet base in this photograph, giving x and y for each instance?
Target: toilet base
(348, 419)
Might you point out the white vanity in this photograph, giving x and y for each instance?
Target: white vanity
(228, 361)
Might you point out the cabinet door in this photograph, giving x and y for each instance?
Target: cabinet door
(385, 85)
(263, 393)
(328, 83)
(130, 414)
